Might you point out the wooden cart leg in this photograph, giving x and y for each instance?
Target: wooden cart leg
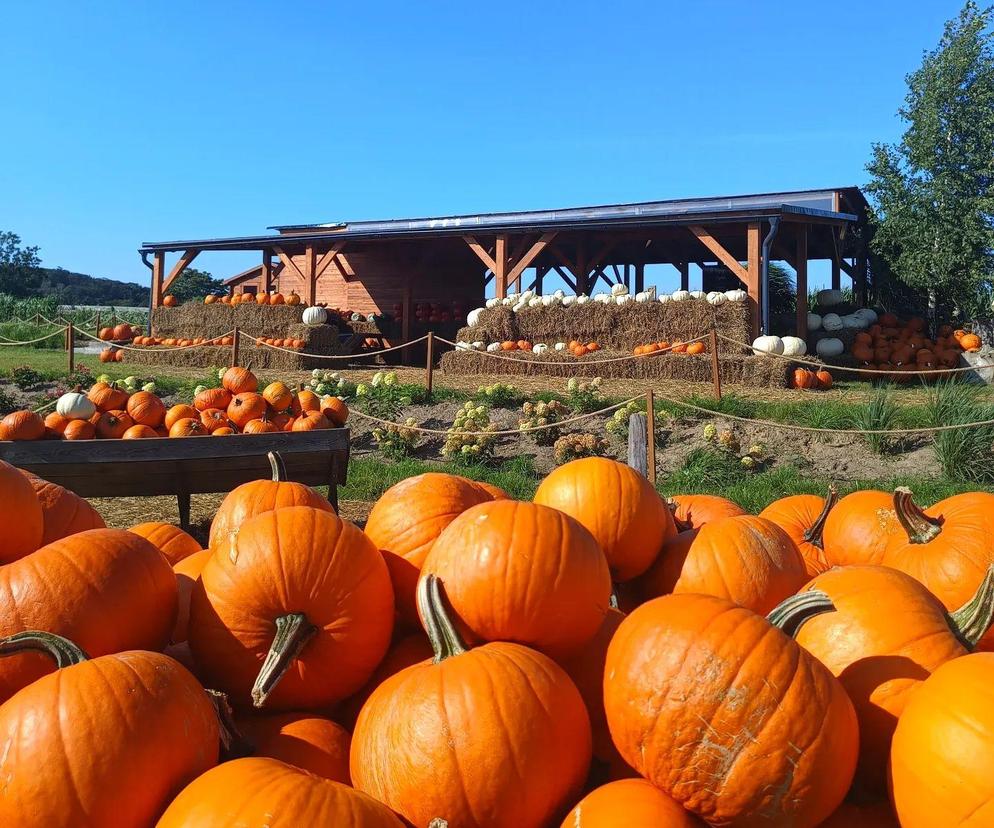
(333, 484)
(183, 503)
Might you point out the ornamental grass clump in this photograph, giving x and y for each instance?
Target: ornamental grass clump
(544, 416)
(470, 439)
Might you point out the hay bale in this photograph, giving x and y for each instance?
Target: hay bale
(612, 326)
(197, 319)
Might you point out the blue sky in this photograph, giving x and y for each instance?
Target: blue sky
(128, 122)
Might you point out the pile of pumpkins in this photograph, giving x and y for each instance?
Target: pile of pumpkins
(247, 299)
(592, 658)
(675, 347)
(903, 348)
(111, 411)
(574, 347)
(122, 332)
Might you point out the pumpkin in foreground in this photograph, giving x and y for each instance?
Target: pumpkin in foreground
(693, 511)
(728, 715)
(635, 802)
(64, 512)
(491, 737)
(942, 756)
(24, 533)
(106, 741)
(265, 792)
(311, 743)
(170, 540)
(803, 518)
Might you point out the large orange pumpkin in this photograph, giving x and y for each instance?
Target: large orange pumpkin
(107, 397)
(693, 511)
(188, 427)
(256, 497)
(79, 430)
(859, 528)
(22, 425)
(311, 743)
(886, 634)
(278, 396)
(170, 540)
(55, 425)
(25, 531)
(662, 576)
(111, 425)
(139, 432)
(180, 412)
(301, 593)
(64, 512)
(265, 792)
(942, 757)
(245, 407)
(311, 421)
(239, 381)
(439, 738)
(335, 410)
(261, 426)
(107, 589)
(212, 398)
(632, 802)
(803, 518)
(522, 572)
(187, 572)
(213, 419)
(620, 508)
(728, 715)
(154, 725)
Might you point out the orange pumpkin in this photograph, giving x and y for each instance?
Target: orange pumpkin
(170, 540)
(635, 801)
(262, 298)
(970, 342)
(55, 424)
(859, 528)
(693, 511)
(21, 497)
(621, 509)
(246, 406)
(268, 792)
(824, 379)
(187, 571)
(803, 518)
(335, 410)
(79, 430)
(474, 781)
(139, 432)
(703, 689)
(170, 301)
(22, 425)
(803, 378)
(179, 412)
(302, 593)
(111, 425)
(259, 426)
(146, 409)
(696, 348)
(188, 427)
(311, 421)
(293, 299)
(214, 419)
(210, 299)
(277, 299)
(407, 519)
(522, 572)
(239, 380)
(212, 398)
(305, 401)
(876, 813)
(278, 396)
(64, 513)
(311, 743)
(660, 578)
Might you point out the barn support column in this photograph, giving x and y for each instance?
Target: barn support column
(507, 269)
(859, 281)
(639, 277)
(684, 268)
(801, 269)
(158, 269)
(405, 323)
(161, 284)
(755, 267)
(267, 270)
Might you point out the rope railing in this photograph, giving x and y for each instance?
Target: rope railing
(574, 363)
(144, 350)
(259, 341)
(59, 332)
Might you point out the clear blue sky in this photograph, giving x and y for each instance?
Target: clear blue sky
(127, 122)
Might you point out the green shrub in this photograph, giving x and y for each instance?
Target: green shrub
(965, 454)
(500, 395)
(382, 396)
(584, 397)
(397, 442)
(24, 377)
(539, 414)
(468, 441)
(882, 412)
(27, 332)
(575, 446)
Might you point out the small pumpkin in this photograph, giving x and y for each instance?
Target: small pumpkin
(278, 396)
(106, 397)
(146, 409)
(179, 412)
(170, 301)
(212, 398)
(170, 540)
(79, 430)
(75, 406)
(214, 419)
(693, 511)
(246, 406)
(55, 424)
(311, 743)
(239, 380)
(311, 421)
(188, 427)
(260, 426)
(22, 425)
(335, 410)
(111, 425)
(637, 802)
(803, 517)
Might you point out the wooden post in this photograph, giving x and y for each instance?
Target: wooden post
(638, 444)
(684, 275)
(430, 362)
(715, 365)
(70, 347)
(234, 347)
(801, 266)
(639, 277)
(310, 269)
(98, 322)
(500, 274)
(158, 274)
(267, 271)
(650, 427)
(754, 273)
(836, 274)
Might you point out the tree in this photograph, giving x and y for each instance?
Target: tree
(933, 191)
(196, 284)
(19, 266)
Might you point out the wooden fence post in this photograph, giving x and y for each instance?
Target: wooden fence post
(97, 322)
(638, 444)
(650, 428)
(70, 347)
(430, 364)
(234, 347)
(715, 367)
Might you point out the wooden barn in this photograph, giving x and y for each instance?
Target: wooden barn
(398, 267)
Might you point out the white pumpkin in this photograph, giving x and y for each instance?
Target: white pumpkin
(315, 316)
(507, 301)
(357, 317)
(716, 297)
(535, 302)
(560, 346)
(767, 345)
(463, 346)
(794, 346)
(680, 295)
(547, 301)
(868, 314)
(559, 294)
(664, 298)
(830, 347)
(514, 297)
(473, 316)
(603, 298)
(737, 295)
(622, 299)
(582, 299)
(832, 322)
(814, 322)
(528, 294)
(619, 290)
(697, 294)
(74, 406)
(493, 303)
(642, 297)
(540, 348)
(477, 346)
(569, 300)
(519, 306)
(493, 346)
(854, 322)
(829, 298)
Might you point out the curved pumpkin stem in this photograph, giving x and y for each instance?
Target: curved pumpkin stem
(920, 527)
(791, 614)
(681, 525)
(278, 466)
(293, 631)
(62, 650)
(813, 535)
(437, 822)
(975, 617)
(445, 639)
(234, 745)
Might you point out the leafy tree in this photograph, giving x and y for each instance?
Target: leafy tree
(196, 284)
(934, 190)
(19, 266)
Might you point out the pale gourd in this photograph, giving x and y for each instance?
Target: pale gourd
(767, 345)
(356, 317)
(560, 346)
(664, 298)
(622, 298)
(642, 297)
(519, 306)
(493, 346)
(473, 317)
(868, 314)
(603, 298)
(829, 298)
(314, 316)
(477, 346)
(535, 302)
(832, 322)
(680, 295)
(855, 322)
(716, 297)
(697, 294)
(794, 346)
(814, 322)
(74, 406)
(582, 299)
(830, 347)
(548, 300)
(618, 290)
(569, 300)
(464, 346)
(540, 348)
(493, 303)
(506, 302)
(736, 295)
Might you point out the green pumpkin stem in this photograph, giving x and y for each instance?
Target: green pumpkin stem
(278, 466)
(445, 639)
(62, 650)
(920, 527)
(813, 535)
(234, 745)
(975, 617)
(791, 614)
(293, 631)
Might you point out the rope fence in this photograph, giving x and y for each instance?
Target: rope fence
(603, 361)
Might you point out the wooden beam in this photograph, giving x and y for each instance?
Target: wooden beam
(183, 263)
(726, 258)
(345, 266)
(289, 263)
(566, 277)
(311, 266)
(481, 253)
(848, 269)
(500, 265)
(684, 268)
(325, 261)
(158, 269)
(859, 281)
(639, 277)
(405, 323)
(530, 256)
(801, 268)
(267, 271)
(753, 273)
(836, 275)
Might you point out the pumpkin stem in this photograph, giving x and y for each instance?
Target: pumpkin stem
(278, 466)
(813, 535)
(974, 618)
(234, 745)
(62, 650)
(293, 631)
(438, 822)
(681, 525)
(920, 527)
(789, 616)
(445, 639)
